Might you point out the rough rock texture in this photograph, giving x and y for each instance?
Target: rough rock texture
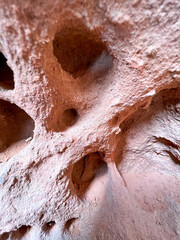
(90, 119)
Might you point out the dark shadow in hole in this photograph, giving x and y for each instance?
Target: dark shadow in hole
(48, 226)
(18, 234)
(68, 118)
(76, 49)
(15, 126)
(6, 74)
(24, 229)
(85, 170)
(4, 236)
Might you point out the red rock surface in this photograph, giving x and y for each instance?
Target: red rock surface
(89, 120)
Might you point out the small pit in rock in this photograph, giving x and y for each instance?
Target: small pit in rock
(69, 117)
(70, 223)
(86, 170)
(16, 128)
(48, 226)
(6, 74)
(77, 49)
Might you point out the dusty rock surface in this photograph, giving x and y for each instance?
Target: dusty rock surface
(90, 120)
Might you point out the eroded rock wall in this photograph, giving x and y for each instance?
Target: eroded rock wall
(89, 120)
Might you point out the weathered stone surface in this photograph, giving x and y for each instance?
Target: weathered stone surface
(89, 120)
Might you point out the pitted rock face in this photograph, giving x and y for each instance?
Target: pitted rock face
(89, 120)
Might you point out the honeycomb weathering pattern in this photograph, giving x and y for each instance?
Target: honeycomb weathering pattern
(94, 104)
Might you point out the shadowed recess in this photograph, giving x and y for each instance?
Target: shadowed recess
(16, 128)
(85, 170)
(6, 74)
(77, 49)
(69, 224)
(18, 234)
(48, 226)
(67, 119)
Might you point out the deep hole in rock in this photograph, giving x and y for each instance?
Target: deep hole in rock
(50, 224)
(85, 170)
(69, 117)
(77, 49)
(6, 74)
(16, 127)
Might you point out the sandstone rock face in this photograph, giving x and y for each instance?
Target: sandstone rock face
(89, 120)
